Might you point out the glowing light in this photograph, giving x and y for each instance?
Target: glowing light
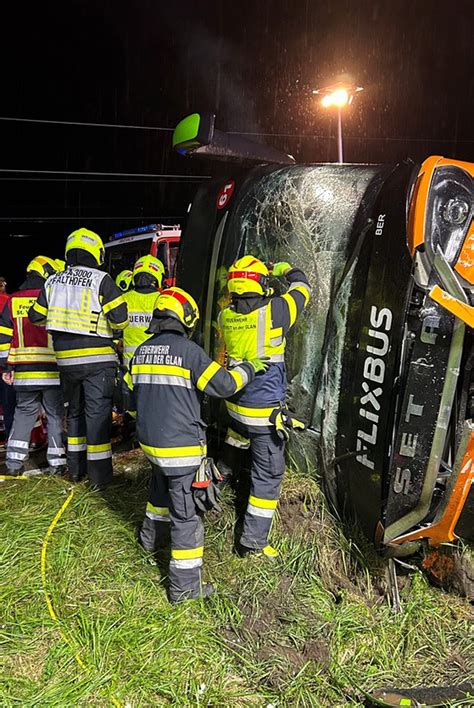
(327, 102)
(338, 98)
(338, 95)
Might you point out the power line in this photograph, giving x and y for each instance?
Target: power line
(83, 217)
(236, 132)
(355, 137)
(80, 179)
(87, 125)
(105, 174)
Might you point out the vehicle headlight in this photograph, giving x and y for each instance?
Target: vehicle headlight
(455, 211)
(449, 210)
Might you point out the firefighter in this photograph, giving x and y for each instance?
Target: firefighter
(255, 325)
(7, 393)
(124, 280)
(169, 374)
(81, 307)
(148, 274)
(33, 371)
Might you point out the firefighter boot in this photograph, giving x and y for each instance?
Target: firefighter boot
(267, 553)
(207, 589)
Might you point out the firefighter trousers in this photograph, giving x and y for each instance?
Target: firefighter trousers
(267, 468)
(28, 407)
(89, 422)
(171, 513)
(8, 403)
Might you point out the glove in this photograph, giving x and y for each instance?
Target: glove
(282, 431)
(8, 377)
(206, 493)
(260, 364)
(284, 423)
(280, 269)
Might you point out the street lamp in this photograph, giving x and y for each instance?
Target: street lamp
(338, 96)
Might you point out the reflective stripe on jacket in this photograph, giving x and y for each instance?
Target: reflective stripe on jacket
(140, 311)
(257, 327)
(25, 348)
(83, 353)
(168, 373)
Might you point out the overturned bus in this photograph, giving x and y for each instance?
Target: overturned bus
(380, 366)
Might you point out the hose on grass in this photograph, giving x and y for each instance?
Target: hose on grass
(47, 594)
(32, 474)
(4, 477)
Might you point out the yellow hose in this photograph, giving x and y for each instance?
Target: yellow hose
(10, 476)
(47, 595)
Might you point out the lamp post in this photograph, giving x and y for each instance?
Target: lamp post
(338, 96)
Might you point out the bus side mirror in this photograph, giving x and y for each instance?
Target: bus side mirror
(193, 132)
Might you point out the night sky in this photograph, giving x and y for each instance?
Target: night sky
(151, 62)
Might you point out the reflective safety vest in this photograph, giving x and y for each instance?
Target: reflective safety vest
(261, 333)
(74, 303)
(252, 335)
(140, 312)
(27, 348)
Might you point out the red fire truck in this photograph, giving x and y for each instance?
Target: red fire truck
(125, 247)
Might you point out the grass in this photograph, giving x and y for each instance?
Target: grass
(313, 629)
